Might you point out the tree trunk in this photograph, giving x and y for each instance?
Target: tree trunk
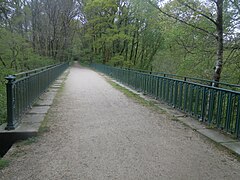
(219, 28)
(126, 50)
(132, 46)
(136, 50)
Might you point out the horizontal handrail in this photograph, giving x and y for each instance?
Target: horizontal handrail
(24, 88)
(187, 78)
(27, 73)
(217, 107)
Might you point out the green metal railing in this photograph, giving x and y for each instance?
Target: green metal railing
(24, 88)
(217, 107)
(191, 79)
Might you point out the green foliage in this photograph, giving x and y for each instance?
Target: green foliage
(16, 55)
(32, 37)
(30, 140)
(188, 51)
(117, 60)
(121, 33)
(185, 52)
(3, 109)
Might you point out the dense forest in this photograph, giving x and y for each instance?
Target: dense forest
(197, 38)
(185, 37)
(35, 33)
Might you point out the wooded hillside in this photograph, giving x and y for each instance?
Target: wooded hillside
(34, 33)
(184, 37)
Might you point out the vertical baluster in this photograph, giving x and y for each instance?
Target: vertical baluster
(185, 96)
(175, 94)
(191, 92)
(228, 113)
(197, 104)
(202, 116)
(211, 105)
(238, 118)
(180, 95)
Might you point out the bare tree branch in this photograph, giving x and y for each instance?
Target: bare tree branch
(3, 63)
(195, 10)
(230, 55)
(182, 21)
(235, 4)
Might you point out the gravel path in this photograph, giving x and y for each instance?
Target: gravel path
(96, 132)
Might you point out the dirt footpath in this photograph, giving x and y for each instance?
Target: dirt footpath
(96, 132)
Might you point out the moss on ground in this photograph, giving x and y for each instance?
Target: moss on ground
(3, 163)
(147, 103)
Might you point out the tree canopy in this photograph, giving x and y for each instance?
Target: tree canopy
(194, 37)
(184, 37)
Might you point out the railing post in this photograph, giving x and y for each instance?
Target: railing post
(10, 102)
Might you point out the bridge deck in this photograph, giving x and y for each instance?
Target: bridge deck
(96, 132)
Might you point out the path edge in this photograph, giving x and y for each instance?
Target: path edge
(224, 140)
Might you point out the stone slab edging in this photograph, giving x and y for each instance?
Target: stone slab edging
(32, 120)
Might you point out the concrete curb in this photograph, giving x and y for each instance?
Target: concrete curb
(215, 135)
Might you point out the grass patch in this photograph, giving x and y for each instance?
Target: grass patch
(4, 163)
(30, 141)
(44, 126)
(136, 97)
(210, 126)
(131, 94)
